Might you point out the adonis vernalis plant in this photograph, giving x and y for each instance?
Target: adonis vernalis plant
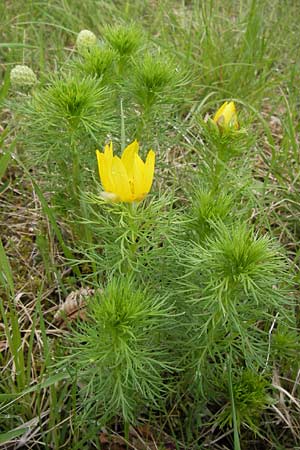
(121, 353)
(190, 306)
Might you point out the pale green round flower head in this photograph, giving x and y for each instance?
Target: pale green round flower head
(22, 77)
(85, 40)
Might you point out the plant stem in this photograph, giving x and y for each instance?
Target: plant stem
(123, 136)
(126, 432)
(237, 445)
(77, 184)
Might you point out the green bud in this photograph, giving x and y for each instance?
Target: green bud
(22, 77)
(85, 40)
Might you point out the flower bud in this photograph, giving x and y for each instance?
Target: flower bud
(85, 40)
(226, 117)
(22, 77)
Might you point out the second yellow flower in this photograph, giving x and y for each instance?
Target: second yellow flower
(226, 117)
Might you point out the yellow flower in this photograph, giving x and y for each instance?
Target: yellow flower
(226, 117)
(125, 179)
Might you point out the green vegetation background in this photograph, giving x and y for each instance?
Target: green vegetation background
(242, 50)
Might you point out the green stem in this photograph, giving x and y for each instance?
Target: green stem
(131, 244)
(123, 61)
(126, 432)
(77, 187)
(76, 178)
(237, 445)
(123, 136)
(134, 230)
(145, 124)
(218, 172)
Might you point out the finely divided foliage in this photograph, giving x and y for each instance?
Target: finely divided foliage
(150, 245)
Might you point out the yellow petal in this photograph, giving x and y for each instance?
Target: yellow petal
(138, 179)
(128, 157)
(135, 169)
(149, 171)
(228, 113)
(231, 115)
(220, 111)
(108, 151)
(104, 167)
(121, 181)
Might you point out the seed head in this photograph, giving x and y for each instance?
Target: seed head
(22, 77)
(85, 40)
